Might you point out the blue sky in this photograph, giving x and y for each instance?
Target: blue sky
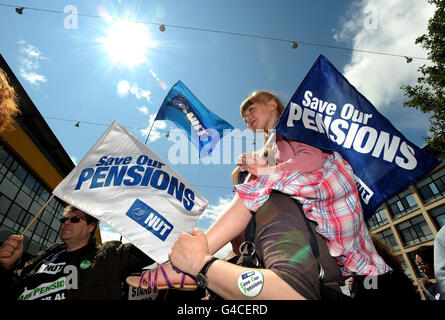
(73, 72)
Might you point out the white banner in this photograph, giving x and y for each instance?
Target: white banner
(123, 183)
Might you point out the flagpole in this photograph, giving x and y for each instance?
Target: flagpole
(151, 127)
(37, 215)
(264, 149)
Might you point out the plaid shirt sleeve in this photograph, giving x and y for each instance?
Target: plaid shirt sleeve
(329, 197)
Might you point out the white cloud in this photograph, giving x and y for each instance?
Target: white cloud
(158, 127)
(108, 234)
(29, 60)
(143, 110)
(212, 212)
(124, 88)
(139, 93)
(390, 27)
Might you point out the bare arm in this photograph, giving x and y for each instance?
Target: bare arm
(223, 278)
(229, 225)
(191, 251)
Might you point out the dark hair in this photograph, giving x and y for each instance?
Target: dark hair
(426, 253)
(386, 253)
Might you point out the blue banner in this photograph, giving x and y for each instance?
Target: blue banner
(199, 124)
(328, 112)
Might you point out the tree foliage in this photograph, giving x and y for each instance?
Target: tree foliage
(428, 95)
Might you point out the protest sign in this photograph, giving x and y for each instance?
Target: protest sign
(123, 183)
(326, 111)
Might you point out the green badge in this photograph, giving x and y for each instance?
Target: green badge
(85, 264)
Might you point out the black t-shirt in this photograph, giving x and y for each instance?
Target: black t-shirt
(51, 279)
(390, 286)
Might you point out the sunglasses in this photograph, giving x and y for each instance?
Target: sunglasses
(72, 220)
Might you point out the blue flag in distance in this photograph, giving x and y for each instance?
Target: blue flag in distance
(200, 125)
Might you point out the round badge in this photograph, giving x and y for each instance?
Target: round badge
(250, 283)
(85, 264)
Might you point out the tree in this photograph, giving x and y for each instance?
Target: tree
(428, 95)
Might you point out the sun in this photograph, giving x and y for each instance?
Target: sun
(127, 42)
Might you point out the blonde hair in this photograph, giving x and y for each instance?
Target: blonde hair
(261, 97)
(8, 101)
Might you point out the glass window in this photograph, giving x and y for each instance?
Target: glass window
(9, 223)
(8, 188)
(52, 236)
(3, 172)
(56, 223)
(15, 213)
(31, 182)
(438, 214)
(378, 219)
(389, 238)
(20, 173)
(27, 219)
(8, 161)
(41, 231)
(3, 155)
(402, 204)
(4, 205)
(15, 168)
(414, 231)
(432, 187)
(35, 208)
(21, 197)
(47, 216)
(23, 200)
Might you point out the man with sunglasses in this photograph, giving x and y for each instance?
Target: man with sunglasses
(78, 268)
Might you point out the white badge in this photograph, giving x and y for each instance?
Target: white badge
(250, 283)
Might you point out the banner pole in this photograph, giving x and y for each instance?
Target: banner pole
(37, 215)
(264, 148)
(151, 127)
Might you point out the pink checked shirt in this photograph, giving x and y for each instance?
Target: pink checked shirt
(324, 185)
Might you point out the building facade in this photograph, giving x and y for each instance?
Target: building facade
(32, 163)
(411, 219)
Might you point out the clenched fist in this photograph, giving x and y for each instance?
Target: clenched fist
(11, 251)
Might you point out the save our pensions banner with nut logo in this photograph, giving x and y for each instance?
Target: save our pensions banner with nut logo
(123, 183)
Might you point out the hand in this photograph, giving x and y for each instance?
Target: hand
(241, 161)
(258, 166)
(11, 251)
(190, 252)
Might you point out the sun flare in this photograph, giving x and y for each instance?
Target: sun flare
(127, 42)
